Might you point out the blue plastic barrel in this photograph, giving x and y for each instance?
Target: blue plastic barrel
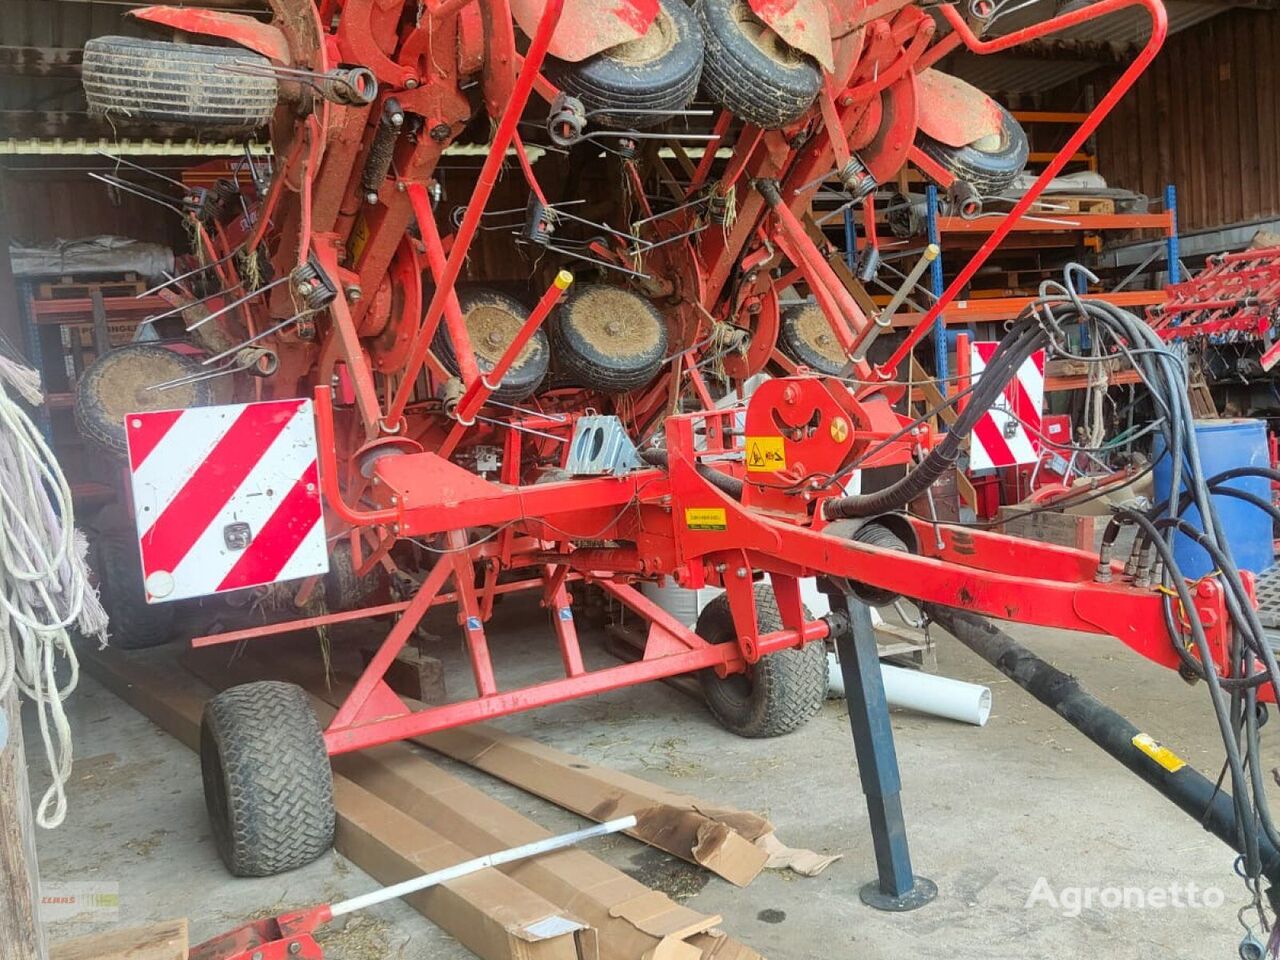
(1224, 444)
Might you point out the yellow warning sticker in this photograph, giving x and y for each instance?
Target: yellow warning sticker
(704, 518)
(1161, 755)
(359, 239)
(766, 454)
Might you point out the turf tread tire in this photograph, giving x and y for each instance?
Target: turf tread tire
(584, 363)
(526, 374)
(133, 81)
(267, 780)
(740, 77)
(788, 687)
(988, 173)
(792, 342)
(98, 414)
(133, 623)
(668, 82)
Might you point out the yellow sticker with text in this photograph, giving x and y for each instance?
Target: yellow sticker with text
(766, 454)
(705, 518)
(359, 239)
(1161, 755)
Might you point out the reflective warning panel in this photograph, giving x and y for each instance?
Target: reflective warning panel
(1010, 432)
(226, 497)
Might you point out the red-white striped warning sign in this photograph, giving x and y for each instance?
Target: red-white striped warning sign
(1009, 433)
(226, 497)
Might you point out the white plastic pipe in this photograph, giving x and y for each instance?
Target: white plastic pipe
(924, 692)
(478, 864)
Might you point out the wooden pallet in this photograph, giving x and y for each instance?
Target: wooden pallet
(68, 288)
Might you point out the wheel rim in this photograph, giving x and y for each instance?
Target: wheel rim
(126, 382)
(811, 328)
(762, 36)
(616, 324)
(659, 40)
(491, 330)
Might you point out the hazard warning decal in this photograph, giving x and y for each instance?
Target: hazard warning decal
(766, 454)
(1008, 433)
(226, 497)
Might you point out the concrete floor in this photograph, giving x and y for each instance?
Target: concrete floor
(990, 812)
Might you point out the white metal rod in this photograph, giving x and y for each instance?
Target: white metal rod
(479, 863)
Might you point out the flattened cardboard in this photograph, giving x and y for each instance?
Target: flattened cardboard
(728, 842)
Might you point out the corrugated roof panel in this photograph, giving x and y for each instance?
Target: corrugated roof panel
(1010, 74)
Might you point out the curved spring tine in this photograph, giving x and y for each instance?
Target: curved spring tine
(190, 273)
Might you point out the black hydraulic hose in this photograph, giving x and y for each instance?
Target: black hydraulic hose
(721, 481)
(1187, 788)
(1022, 341)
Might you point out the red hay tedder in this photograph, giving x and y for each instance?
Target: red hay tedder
(474, 440)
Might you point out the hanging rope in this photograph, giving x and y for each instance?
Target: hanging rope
(44, 587)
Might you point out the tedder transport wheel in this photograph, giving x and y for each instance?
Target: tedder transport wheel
(117, 384)
(134, 623)
(608, 339)
(267, 781)
(805, 336)
(659, 71)
(493, 319)
(750, 70)
(343, 590)
(132, 82)
(989, 165)
(780, 693)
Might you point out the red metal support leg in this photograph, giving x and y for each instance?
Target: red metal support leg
(562, 619)
(469, 612)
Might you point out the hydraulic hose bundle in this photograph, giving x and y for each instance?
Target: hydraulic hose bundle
(1252, 661)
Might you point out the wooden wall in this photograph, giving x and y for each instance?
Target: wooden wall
(1204, 117)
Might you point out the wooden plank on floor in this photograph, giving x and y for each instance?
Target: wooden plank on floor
(626, 915)
(156, 941)
(492, 915)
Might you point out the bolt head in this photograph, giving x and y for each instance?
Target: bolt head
(741, 573)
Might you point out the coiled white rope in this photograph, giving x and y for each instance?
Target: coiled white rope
(44, 585)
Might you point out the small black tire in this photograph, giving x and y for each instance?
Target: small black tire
(805, 335)
(777, 695)
(116, 385)
(268, 785)
(492, 320)
(608, 339)
(659, 71)
(138, 82)
(133, 624)
(343, 590)
(990, 165)
(750, 71)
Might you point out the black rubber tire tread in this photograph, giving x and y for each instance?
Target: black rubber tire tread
(667, 82)
(744, 80)
(787, 688)
(101, 395)
(343, 590)
(988, 173)
(585, 363)
(268, 785)
(134, 624)
(530, 368)
(137, 82)
(793, 342)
